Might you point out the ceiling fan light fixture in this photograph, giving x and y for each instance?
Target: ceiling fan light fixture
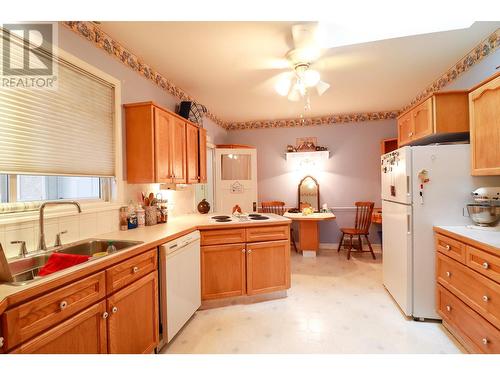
(321, 87)
(311, 78)
(295, 93)
(282, 87)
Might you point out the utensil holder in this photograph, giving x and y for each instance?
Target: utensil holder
(151, 215)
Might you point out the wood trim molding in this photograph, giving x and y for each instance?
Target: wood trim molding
(101, 40)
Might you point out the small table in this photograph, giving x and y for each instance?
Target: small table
(309, 230)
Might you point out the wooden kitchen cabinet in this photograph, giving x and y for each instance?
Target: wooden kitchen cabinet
(484, 107)
(84, 333)
(468, 291)
(133, 317)
(192, 154)
(268, 266)
(202, 145)
(161, 146)
(422, 119)
(223, 271)
(444, 116)
(405, 129)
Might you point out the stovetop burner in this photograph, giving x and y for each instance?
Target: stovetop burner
(220, 217)
(260, 217)
(223, 220)
(254, 215)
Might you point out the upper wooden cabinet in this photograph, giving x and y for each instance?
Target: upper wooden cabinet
(192, 154)
(444, 115)
(484, 108)
(162, 147)
(202, 146)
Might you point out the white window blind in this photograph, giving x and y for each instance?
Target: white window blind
(64, 131)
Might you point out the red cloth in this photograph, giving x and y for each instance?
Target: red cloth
(60, 261)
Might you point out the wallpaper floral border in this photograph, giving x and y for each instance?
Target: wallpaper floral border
(483, 49)
(312, 121)
(94, 34)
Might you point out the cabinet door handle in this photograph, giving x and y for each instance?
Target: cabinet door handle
(448, 308)
(105, 315)
(410, 134)
(486, 265)
(135, 269)
(63, 305)
(448, 273)
(1, 342)
(447, 247)
(114, 310)
(486, 298)
(485, 341)
(243, 250)
(249, 251)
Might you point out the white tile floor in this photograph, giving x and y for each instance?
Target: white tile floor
(334, 306)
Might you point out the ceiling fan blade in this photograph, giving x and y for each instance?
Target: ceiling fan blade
(321, 87)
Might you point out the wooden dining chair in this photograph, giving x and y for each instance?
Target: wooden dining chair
(362, 224)
(278, 208)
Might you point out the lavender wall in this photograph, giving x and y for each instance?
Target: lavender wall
(352, 173)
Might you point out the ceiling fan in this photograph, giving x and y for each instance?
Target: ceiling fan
(303, 78)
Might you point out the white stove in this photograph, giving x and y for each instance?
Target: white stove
(232, 219)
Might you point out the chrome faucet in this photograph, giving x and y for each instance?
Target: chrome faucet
(41, 240)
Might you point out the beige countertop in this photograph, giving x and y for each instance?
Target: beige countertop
(150, 236)
(485, 237)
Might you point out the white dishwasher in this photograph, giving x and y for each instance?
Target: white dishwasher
(180, 285)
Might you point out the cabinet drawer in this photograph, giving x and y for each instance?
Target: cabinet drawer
(269, 233)
(30, 318)
(222, 236)
(482, 262)
(479, 292)
(478, 333)
(450, 247)
(131, 270)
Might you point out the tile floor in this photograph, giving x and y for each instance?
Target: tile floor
(333, 306)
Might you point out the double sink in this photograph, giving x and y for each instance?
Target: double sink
(25, 269)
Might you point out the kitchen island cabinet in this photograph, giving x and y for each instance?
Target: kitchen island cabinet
(245, 261)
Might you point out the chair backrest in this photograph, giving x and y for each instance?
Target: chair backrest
(363, 215)
(273, 207)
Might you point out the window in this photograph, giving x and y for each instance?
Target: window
(41, 188)
(58, 144)
(26, 188)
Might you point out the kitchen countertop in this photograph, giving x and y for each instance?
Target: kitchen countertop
(475, 237)
(151, 237)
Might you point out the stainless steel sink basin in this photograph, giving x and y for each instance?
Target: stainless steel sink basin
(25, 270)
(93, 246)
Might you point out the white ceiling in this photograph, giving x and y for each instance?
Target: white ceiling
(227, 66)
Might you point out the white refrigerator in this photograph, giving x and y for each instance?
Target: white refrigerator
(408, 217)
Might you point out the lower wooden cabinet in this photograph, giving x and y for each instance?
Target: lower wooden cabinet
(80, 318)
(133, 317)
(223, 271)
(83, 333)
(268, 266)
(244, 269)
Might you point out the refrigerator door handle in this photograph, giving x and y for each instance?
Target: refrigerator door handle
(408, 224)
(408, 185)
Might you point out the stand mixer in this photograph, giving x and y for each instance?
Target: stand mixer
(485, 211)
